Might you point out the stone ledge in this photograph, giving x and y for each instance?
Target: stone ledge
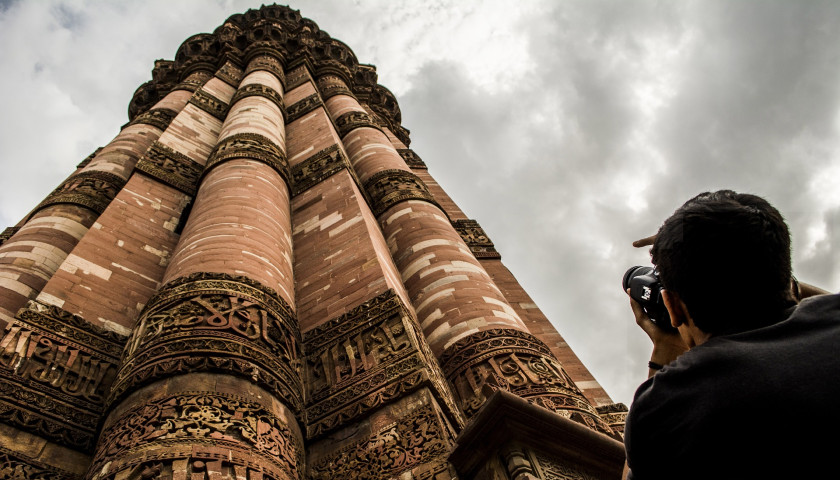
(533, 441)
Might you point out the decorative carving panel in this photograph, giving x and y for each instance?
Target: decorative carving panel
(365, 359)
(158, 117)
(302, 107)
(91, 189)
(353, 120)
(296, 78)
(515, 361)
(7, 234)
(87, 159)
(411, 158)
(229, 74)
(212, 322)
(200, 433)
(15, 466)
(252, 146)
(268, 63)
(615, 414)
(318, 168)
(55, 372)
(258, 90)
(475, 238)
(390, 187)
(412, 441)
(209, 104)
(171, 167)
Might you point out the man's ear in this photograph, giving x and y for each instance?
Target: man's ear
(676, 308)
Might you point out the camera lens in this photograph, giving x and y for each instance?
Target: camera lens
(633, 272)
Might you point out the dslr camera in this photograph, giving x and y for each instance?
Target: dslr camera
(646, 289)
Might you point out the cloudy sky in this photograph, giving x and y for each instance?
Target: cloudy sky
(568, 129)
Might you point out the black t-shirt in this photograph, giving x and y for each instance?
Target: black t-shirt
(758, 404)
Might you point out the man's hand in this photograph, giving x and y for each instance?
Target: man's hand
(667, 346)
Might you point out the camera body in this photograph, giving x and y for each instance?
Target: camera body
(646, 289)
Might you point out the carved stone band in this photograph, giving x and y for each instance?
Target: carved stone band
(158, 117)
(91, 189)
(353, 120)
(209, 104)
(177, 428)
(318, 168)
(171, 167)
(87, 159)
(268, 63)
(390, 187)
(189, 85)
(229, 74)
(517, 362)
(212, 322)
(411, 441)
(7, 234)
(296, 78)
(362, 360)
(23, 467)
(411, 158)
(55, 371)
(252, 146)
(475, 238)
(331, 90)
(302, 107)
(259, 90)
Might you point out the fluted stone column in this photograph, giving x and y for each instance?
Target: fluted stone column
(479, 339)
(218, 348)
(43, 242)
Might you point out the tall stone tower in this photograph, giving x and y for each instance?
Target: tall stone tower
(257, 278)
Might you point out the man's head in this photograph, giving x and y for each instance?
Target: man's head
(727, 256)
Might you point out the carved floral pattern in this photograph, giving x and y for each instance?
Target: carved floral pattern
(202, 417)
(417, 439)
(17, 466)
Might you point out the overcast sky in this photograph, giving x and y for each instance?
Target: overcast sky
(568, 129)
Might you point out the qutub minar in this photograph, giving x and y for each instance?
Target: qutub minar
(258, 279)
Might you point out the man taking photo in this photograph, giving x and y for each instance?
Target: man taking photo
(748, 384)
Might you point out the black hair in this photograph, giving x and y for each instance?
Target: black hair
(727, 255)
